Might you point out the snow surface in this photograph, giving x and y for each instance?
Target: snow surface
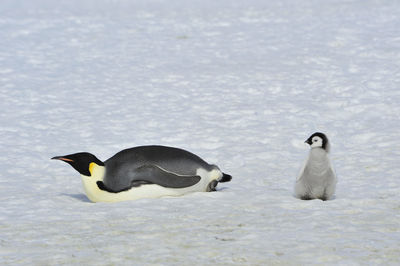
(240, 83)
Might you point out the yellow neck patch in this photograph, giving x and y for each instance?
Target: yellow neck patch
(91, 167)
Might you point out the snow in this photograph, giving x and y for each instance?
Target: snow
(240, 83)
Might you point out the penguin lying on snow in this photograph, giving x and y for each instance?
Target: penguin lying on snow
(317, 179)
(144, 172)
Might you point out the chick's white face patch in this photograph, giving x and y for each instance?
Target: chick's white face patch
(316, 142)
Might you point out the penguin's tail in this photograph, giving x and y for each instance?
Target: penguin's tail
(225, 178)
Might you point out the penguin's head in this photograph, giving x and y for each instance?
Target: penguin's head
(318, 140)
(80, 161)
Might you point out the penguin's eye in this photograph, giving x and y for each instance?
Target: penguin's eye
(315, 140)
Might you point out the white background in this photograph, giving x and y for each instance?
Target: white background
(241, 84)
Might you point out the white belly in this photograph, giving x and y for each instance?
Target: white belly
(144, 191)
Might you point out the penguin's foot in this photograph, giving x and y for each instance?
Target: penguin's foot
(323, 198)
(212, 186)
(306, 197)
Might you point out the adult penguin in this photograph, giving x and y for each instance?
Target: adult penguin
(144, 172)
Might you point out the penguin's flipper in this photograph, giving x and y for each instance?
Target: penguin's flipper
(102, 186)
(152, 174)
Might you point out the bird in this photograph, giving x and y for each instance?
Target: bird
(144, 172)
(317, 178)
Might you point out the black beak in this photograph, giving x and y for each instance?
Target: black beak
(62, 158)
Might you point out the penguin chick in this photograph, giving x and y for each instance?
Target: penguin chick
(144, 172)
(317, 179)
